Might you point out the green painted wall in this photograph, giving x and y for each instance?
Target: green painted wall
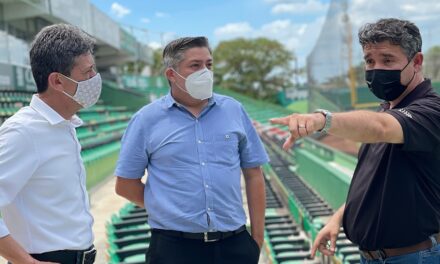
(313, 166)
(113, 95)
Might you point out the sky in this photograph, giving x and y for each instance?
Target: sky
(295, 23)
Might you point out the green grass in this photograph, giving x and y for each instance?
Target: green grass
(300, 106)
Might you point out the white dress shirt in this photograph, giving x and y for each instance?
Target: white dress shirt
(43, 196)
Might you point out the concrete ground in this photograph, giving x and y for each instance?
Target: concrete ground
(104, 202)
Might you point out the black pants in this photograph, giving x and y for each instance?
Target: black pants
(237, 249)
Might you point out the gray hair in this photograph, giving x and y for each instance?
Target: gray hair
(55, 49)
(173, 52)
(398, 32)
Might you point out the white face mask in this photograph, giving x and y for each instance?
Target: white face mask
(87, 92)
(198, 84)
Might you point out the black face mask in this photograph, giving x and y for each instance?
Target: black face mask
(385, 84)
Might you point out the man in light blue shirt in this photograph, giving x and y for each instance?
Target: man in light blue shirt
(194, 145)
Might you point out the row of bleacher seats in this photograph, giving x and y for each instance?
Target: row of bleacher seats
(129, 235)
(284, 241)
(99, 136)
(306, 206)
(11, 102)
(286, 224)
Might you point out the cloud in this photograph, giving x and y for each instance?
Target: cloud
(154, 45)
(423, 13)
(362, 11)
(273, 1)
(161, 14)
(296, 37)
(301, 37)
(303, 7)
(119, 11)
(233, 30)
(169, 36)
(145, 20)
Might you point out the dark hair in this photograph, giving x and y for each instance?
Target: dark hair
(173, 52)
(398, 32)
(55, 49)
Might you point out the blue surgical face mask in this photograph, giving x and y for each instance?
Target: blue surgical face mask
(385, 84)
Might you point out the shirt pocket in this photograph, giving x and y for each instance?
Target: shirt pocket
(223, 149)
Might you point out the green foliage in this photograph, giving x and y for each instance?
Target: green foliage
(300, 106)
(343, 81)
(157, 67)
(256, 67)
(135, 67)
(432, 63)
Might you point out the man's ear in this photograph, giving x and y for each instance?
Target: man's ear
(55, 81)
(170, 74)
(418, 61)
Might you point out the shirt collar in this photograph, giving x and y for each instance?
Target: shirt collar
(169, 101)
(51, 115)
(419, 92)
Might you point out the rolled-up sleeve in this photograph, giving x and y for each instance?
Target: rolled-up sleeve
(252, 152)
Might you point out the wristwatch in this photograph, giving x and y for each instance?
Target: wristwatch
(328, 120)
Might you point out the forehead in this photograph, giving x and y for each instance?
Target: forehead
(84, 61)
(197, 53)
(384, 48)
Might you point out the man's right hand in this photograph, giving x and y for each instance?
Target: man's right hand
(325, 241)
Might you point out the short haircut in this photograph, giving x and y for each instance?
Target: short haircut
(55, 49)
(398, 32)
(173, 52)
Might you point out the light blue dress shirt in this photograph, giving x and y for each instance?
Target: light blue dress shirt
(194, 164)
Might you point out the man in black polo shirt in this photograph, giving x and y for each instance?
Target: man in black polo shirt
(393, 205)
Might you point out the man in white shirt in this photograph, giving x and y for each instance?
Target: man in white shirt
(43, 196)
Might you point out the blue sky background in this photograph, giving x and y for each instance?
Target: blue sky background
(295, 23)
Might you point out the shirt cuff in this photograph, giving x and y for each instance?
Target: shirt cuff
(246, 165)
(3, 229)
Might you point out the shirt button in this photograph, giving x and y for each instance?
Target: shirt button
(203, 164)
(199, 141)
(209, 209)
(207, 186)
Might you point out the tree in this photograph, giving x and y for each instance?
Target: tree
(135, 67)
(157, 66)
(432, 63)
(256, 67)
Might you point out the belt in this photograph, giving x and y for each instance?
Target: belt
(205, 236)
(86, 256)
(392, 252)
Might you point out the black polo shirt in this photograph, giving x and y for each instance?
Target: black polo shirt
(394, 196)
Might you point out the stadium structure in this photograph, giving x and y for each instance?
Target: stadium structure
(304, 185)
